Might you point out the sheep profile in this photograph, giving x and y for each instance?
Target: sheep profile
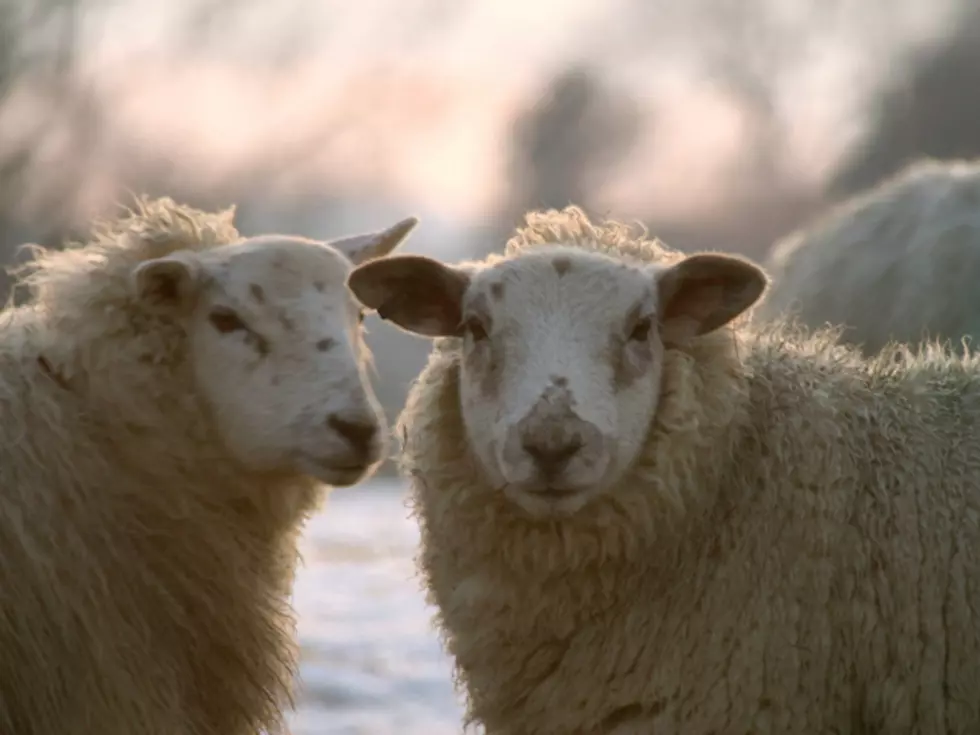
(897, 262)
(640, 516)
(172, 396)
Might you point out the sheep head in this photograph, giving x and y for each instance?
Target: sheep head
(561, 353)
(276, 347)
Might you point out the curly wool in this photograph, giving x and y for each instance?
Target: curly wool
(898, 262)
(795, 549)
(143, 578)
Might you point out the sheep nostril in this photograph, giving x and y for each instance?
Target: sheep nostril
(552, 458)
(359, 434)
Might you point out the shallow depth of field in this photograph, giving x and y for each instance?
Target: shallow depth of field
(719, 124)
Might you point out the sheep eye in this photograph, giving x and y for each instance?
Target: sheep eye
(226, 321)
(641, 330)
(476, 330)
(360, 317)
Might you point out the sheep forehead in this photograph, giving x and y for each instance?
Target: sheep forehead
(272, 268)
(585, 289)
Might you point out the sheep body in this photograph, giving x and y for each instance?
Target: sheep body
(144, 567)
(895, 263)
(794, 550)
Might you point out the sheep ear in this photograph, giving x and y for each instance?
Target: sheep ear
(360, 248)
(419, 294)
(170, 281)
(704, 292)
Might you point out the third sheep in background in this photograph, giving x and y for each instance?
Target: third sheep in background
(900, 262)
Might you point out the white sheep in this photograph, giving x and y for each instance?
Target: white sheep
(897, 262)
(170, 400)
(639, 518)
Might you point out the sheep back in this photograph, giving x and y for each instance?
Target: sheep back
(897, 262)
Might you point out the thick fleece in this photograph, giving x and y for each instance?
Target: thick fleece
(796, 549)
(898, 262)
(144, 579)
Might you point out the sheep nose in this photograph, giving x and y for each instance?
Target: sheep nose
(552, 457)
(359, 434)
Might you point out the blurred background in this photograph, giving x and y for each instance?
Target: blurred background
(717, 123)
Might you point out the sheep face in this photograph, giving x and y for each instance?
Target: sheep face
(276, 348)
(561, 356)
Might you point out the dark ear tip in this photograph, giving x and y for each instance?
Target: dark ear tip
(758, 278)
(363, 271)
(757, 282)
(359, 286)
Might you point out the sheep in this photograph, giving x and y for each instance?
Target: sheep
(172, 395)
(897, 262)
(641, 514)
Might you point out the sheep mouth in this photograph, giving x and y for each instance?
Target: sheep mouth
(549, 501)
(337, 474)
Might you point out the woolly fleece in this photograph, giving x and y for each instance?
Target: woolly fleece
(143, 579)
(796, 550)
(898, 262)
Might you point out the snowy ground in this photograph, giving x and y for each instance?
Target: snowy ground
(371, 662)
